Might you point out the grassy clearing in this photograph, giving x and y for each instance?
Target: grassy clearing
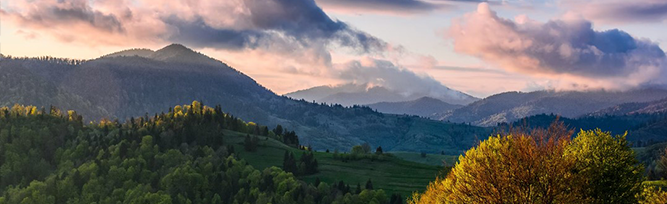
(394, 175)
(430, 159)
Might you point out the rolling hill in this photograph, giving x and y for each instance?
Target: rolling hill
(364, 94)
(659, 106)
(424, 107)
(511, 106)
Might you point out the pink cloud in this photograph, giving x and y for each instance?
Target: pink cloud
(620, 11)
(567, 50)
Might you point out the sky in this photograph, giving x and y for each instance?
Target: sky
(478, 47)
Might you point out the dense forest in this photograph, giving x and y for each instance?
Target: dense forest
(51, 156)
(643, 129)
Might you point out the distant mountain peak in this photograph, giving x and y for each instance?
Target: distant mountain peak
(180, 53)
(363, 94)
(176, 48)
(424, 106)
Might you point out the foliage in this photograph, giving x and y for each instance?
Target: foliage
(651, 195)
(607, 165)
(176, 157)
(361, 152)
(543, 166)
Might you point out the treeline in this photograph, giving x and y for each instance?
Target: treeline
(49, 59)
(361, 152)
(175, 157)
(643, 129)
(306, 165)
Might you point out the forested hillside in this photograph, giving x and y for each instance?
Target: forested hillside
(642, 129)
(511, 106)
(181, 156)
(424, 107)
(136, 82)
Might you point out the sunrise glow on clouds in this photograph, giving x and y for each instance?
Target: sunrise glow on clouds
(287, 45)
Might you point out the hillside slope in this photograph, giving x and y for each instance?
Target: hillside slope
(425, 107)
(363, 94)
(511, 106)
(659, 106)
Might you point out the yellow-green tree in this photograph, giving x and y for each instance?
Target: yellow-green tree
(608, 167)
(652, 195)
(511, 168)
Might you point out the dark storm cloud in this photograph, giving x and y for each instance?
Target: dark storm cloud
(198, 34)
(306, 23)
(245, 24)
(391, 6)
(71, 12)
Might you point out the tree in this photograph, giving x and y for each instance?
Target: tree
(513, 167)
(608, 167)
(663, 163)
(357, 150)
(652, 195)
(289, 164)
(369, 184)
(396, 199)
(378, 150)
(366, 148)
(278, 130)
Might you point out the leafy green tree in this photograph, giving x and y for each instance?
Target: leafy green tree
(366, 148)
(357, 150)
(607, 165)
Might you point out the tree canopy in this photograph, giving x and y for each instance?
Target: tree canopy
(175, 157)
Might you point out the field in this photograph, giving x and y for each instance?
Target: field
(394, 174)
(430, 159)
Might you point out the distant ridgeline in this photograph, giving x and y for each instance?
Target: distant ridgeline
(50, 156)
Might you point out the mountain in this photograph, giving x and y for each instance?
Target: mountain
(425, 107)
(659, 106)
(510, 106)
(140, 82)
(362, 94)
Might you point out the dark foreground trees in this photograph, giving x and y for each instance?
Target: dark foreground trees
(176, 157)
(545, 166)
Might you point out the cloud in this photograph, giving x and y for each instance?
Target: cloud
(232, 24)
(67, 12)
(382, 6)
(567, 48)
(620, 11)
(375, 72)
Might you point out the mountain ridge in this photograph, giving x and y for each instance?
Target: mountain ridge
(510, 106)
(424, 107)
(363, 94)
